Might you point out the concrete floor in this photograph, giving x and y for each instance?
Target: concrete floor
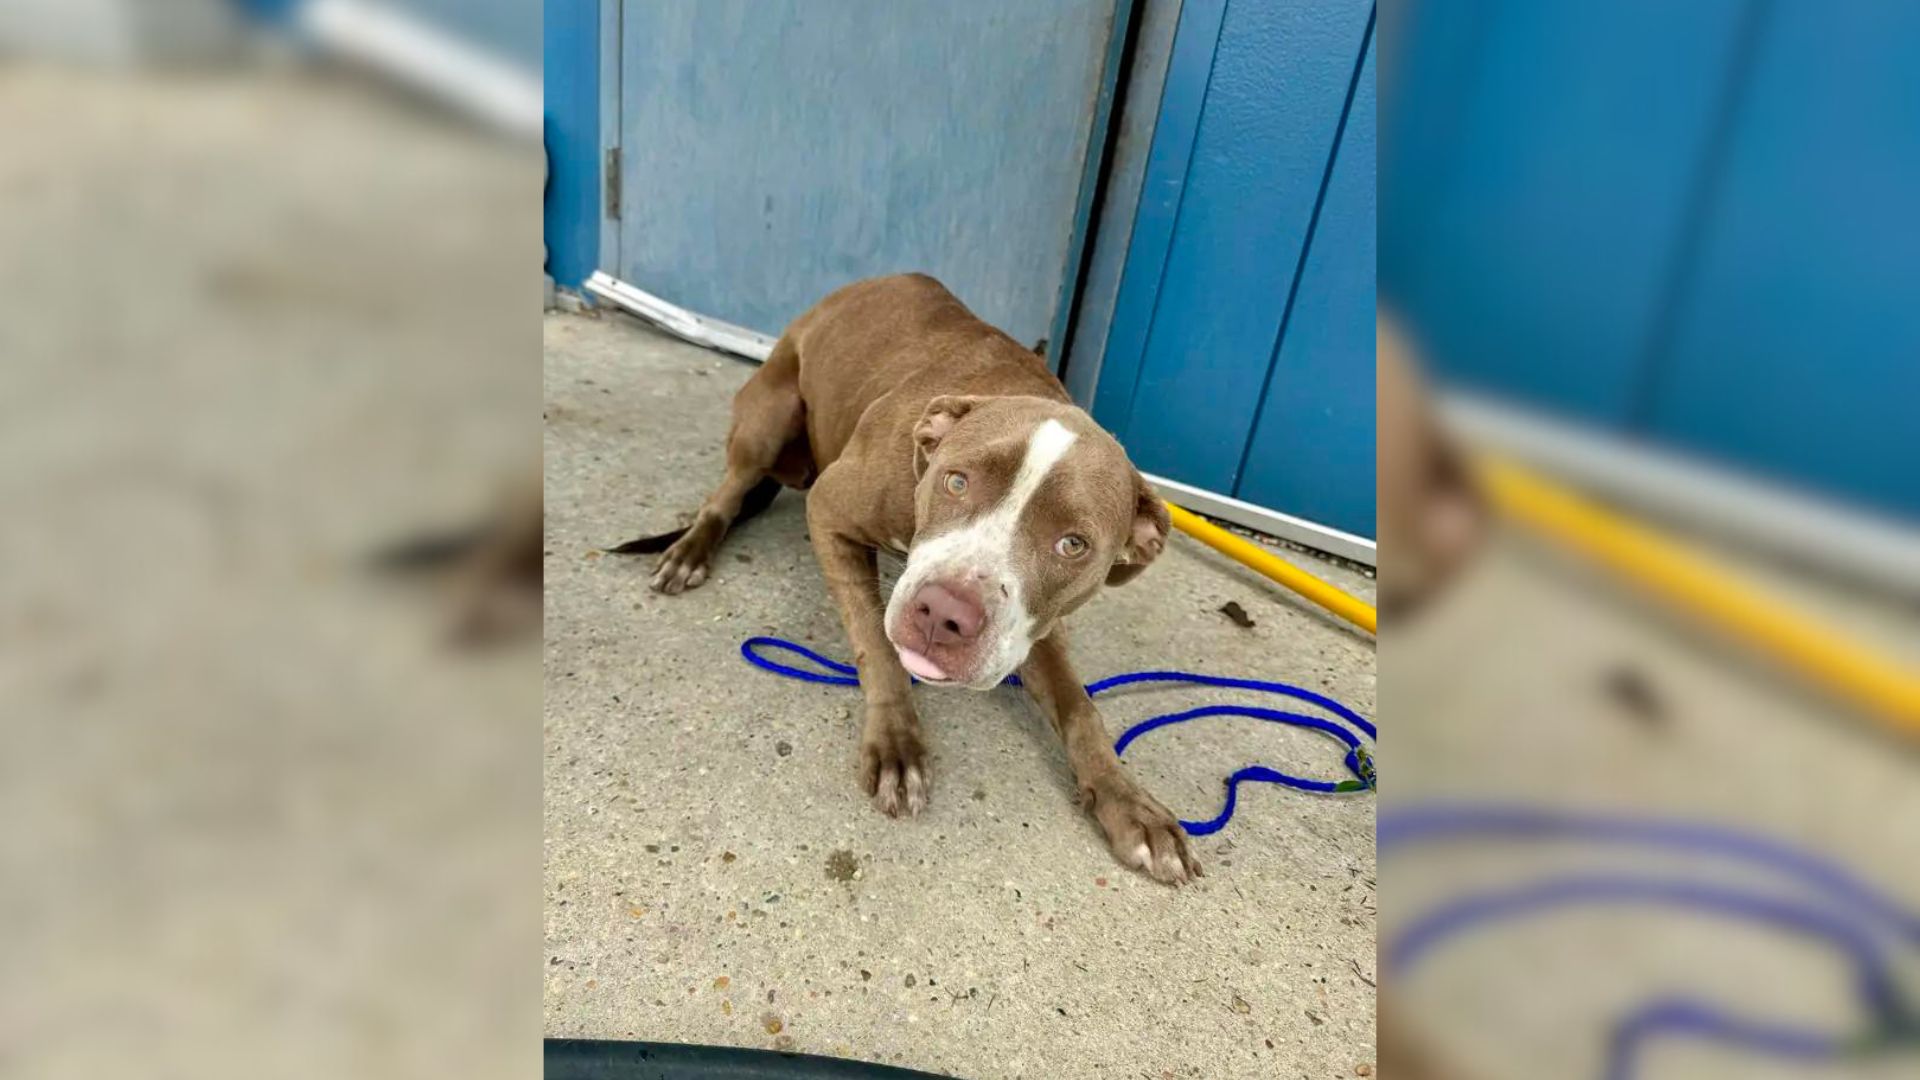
(714, 876)
(1500, 693)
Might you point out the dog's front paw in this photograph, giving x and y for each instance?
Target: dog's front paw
(894, 769)
(1143, 834)
(684, 565)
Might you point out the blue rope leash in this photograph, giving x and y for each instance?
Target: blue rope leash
(1358, 759)
(1865, 925)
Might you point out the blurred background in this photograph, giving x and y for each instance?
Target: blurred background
(1658, 260)
(267, 307)
(260, 293)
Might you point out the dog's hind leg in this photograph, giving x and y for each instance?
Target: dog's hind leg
(765, 448)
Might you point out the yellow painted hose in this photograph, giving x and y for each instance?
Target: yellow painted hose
(1350, 608)
(1667, 569)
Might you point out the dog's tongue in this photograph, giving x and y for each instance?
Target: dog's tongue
(921, 666)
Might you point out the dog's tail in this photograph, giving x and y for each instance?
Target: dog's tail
(428, 551)
(756, 500)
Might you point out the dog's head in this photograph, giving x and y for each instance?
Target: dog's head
(1023, 508)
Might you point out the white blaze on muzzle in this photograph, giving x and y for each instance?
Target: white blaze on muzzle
(982, 552)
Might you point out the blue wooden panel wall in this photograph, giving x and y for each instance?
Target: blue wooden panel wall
(571, 75)
(1155, 23)
(1311, 452)
(1798, 350)
(1689, 223)
(1538, 256)
(775, 150)
(1182, 102)
(1249, 123)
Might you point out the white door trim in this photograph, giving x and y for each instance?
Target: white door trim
(430, 59)
(1849, 542)
(671, 317)
(1285, 526)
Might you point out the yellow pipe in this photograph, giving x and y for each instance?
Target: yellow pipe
(1247, 552)
(1869, 680)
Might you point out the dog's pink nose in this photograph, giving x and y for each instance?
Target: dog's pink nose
(947, 615)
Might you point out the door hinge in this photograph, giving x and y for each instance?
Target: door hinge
(613, 183)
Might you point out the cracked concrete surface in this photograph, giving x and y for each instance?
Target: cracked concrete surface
(714, 876)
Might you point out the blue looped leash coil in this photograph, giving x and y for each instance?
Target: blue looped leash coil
(1823, 902)
(1358, 759)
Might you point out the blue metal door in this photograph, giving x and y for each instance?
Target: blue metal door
(773, 150)
(1240, 357)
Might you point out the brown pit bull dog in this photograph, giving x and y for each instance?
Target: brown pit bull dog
(923, 431)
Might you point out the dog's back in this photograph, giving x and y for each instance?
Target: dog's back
(906, 339)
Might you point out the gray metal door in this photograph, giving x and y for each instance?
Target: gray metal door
(769, 151)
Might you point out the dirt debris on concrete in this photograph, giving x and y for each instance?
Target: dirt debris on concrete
(1237, 615)
(842, 866)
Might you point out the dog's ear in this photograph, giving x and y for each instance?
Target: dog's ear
(942, 413)
(1149, 535)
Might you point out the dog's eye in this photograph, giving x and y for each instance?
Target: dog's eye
(956, 484)
(1071, 546)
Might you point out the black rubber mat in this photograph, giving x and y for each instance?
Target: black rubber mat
(596, 1059)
